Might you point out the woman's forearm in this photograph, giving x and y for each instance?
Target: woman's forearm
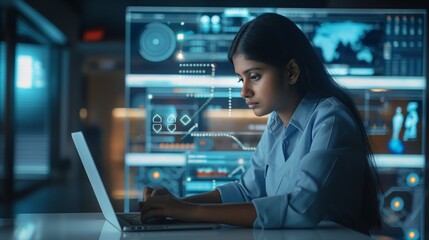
(208, 197)
(210, 209)
(241, 214)
(206, 207)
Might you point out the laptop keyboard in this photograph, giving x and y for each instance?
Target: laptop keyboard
(133, 219)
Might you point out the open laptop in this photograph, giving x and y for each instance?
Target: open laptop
(124, 221)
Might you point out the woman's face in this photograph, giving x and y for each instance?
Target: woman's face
(265, 88)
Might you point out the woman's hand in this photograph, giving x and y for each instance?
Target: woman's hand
(149, 192)
(166, 205)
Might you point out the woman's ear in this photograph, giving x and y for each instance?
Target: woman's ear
(293, 71)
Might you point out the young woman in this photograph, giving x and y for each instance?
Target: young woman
(314, 159)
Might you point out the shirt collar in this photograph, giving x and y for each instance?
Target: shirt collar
(300, 117)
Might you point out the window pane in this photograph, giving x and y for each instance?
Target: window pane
(2, 93)
(32, 106)
(2, 104)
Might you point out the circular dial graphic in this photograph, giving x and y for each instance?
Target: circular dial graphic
(157, 42)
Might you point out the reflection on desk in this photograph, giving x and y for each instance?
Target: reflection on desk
(93, 226)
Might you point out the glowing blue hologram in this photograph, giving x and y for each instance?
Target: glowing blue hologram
(216, 28)
(397, 204)
(397, 121)
(412, 234)
(411, 122)
(185, 119)
(171, 119)
(171, 127)
(205, 19)
(413, 179)
(157, 127)
(205, 23)
(395, 145)
(157, 119)
(215, 19)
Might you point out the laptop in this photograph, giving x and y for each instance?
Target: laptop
(124, 221)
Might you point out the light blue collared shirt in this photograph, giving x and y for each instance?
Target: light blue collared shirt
(313, 169)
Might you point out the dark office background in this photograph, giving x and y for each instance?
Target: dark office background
(91, 85)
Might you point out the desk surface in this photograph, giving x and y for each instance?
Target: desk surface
(83, 226)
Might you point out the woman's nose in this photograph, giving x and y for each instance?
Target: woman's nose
(245, 91)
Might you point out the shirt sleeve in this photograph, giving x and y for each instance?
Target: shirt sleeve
(322, 173)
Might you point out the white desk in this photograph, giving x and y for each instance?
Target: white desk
(83, 226)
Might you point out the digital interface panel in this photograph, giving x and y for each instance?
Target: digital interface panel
(197, 133)
(393, 119)
(368, 43)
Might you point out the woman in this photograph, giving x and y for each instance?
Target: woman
(314, 160)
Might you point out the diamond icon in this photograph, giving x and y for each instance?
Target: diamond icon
(185, 120)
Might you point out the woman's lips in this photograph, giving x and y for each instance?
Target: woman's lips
(252, 104)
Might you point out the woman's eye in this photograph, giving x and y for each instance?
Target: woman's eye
(240, 80)
(255, 76)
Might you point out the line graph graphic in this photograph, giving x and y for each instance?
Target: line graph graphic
(223, 134)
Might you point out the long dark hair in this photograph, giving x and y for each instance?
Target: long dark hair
(275, 40)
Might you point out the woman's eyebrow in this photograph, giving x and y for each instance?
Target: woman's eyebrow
(251, 69)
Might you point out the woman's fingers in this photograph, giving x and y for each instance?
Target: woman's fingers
(147, 193)
(153, 213)
(154, 202)
(154, 207)
(159, 191)
(162, 206)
